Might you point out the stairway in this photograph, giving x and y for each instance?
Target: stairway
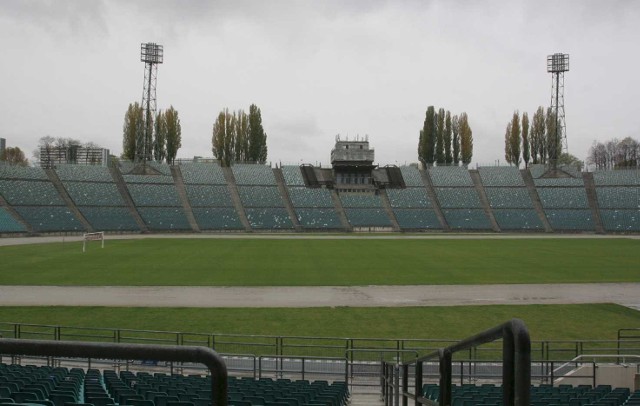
(535, 199)
(284, 192)
(53, 178)
(387, 207)
(592, 197)
(235, 197)
(477, 183)
(337, 203)
(182, 193)
(124, 192)
(426, 180)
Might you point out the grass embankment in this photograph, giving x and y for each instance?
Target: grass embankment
(300, 262)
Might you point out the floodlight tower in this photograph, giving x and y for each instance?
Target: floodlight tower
(557, 65)
(152, 55)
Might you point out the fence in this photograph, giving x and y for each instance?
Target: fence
(359, 349)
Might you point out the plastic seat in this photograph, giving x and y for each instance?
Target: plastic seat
(23, 397)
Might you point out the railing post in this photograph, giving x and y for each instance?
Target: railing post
(446, 372)
(522, 367)
(508, 362)
(396, 384)
(418, 383)
(405, 383)
(383, 381)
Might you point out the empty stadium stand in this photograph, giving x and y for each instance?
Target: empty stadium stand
(182, 194)
(8, 224)
(197, 197)
(458, 198)
(157, 200)
(365, 210)
(36, 200)
(208, 197)
(412, 207)
(93, 191)
(542, 395)
(618, 199)
(482, 195)
(313, 207)
(60, 386)
(565, 203)
(509, 199)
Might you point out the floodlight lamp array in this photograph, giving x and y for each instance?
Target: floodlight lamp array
(151, 52)
(558, 63)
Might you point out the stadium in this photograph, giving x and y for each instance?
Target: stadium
(286, 274)
(145, 279)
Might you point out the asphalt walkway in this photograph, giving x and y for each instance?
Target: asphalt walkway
(627, 294)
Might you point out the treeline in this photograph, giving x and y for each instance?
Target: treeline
(13, 156)
(615, 154)
(239, 137)
(445, 140)
(163, 137)
(532, 141)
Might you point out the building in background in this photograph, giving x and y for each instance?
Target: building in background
(51, 156)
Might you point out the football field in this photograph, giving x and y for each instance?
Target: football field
(291, 265)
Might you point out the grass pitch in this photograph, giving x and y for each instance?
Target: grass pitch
(316, 262)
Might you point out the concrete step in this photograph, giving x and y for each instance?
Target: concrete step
(365, 399)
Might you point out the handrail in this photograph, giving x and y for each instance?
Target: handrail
(620, 337)
(79, 349)
(516, 368)
(594, 356)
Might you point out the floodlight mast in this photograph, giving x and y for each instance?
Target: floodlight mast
(557, 65)
(152, 55)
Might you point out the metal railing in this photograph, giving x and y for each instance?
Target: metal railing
(263, 345)
(516, 365)
(79, 349)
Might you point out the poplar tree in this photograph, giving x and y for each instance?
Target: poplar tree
(538, 137)
(456, 140)
(174, 133)
(440, 136)
(223, 138)
(131, 130)
(160, 138)
(553, 143)
(466, 139)
(448, 156)
(525, 139)
(241, 132)
(507, 144)
(514, 139)
(257, 136)
(428, 135)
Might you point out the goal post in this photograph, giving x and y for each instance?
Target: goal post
(99, 236)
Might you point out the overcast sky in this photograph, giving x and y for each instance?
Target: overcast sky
(69, 68)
